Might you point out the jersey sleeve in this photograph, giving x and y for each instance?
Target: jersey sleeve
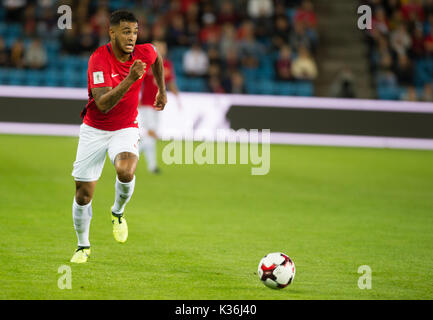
(148, 53)
(99, 72)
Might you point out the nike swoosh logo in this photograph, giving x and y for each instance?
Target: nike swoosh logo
(114, 75)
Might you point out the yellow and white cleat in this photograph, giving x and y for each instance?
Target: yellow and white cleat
(120, 228)
(81, 255)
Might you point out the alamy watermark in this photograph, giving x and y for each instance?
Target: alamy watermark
(365, 20)
(364, 281)
(220, 147)
(65, 20)
(65, 280)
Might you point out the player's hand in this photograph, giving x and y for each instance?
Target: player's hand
(160, 100)
(137, 70)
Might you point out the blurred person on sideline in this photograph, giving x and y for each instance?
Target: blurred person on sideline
(250, 50)
(382, 56)
(428, 92)
(14, 9)
(283, 64)
(148, 116)
(46, 26)
(69, 41)
(227, 13)
(306, 15)
(214, 85)
(195, 61)
(344, 85)
(300, 36)
(88, 41)
(176, 35)
(280, 32)
(228, 38)
(417, 49)
(4, 53)
(260, 8)
(405, 76)
(35, 56)
(428, 44)
(17, 54)
(210, 29)
(401, 40)
(235, 83)
(29, 21)
(304, 67)
(231, 60)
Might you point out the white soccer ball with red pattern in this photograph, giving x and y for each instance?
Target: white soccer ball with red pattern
(276, 270)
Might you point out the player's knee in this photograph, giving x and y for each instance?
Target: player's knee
(125, 165)
(83, 196)
(125, 175)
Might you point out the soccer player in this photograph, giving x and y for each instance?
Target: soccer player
(148, 114)
(115, 74)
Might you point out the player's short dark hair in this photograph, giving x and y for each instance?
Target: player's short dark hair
(122, 15)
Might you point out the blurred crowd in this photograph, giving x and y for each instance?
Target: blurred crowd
(401, 47)
(221, 39)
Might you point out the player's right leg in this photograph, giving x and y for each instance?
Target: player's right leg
(124, 154)
(91, 151)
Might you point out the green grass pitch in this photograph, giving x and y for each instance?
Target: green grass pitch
(198, 232)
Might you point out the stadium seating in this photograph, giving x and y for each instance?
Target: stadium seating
(380, 43)
(423, 74)
(71, 71)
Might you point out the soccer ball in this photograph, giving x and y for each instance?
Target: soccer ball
(276, 270)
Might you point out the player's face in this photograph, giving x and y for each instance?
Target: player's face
(125, 36)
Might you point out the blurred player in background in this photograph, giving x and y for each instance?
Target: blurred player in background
(147, 113)
(115, 74)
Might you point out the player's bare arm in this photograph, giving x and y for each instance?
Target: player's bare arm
(158, 73)
(107, 97)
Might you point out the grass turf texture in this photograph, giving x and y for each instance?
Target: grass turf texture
(198, 232)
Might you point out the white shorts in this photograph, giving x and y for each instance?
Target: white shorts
(93, 146)
(148, 119)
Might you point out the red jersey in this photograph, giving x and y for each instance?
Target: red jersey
(105, 70)
(150, 88)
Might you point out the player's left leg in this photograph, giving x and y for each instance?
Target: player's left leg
(149, 119)
(148, 147)
(123, 152)
(125, 164)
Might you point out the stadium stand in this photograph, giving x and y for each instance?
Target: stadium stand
(401, 49)
(242, 40)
